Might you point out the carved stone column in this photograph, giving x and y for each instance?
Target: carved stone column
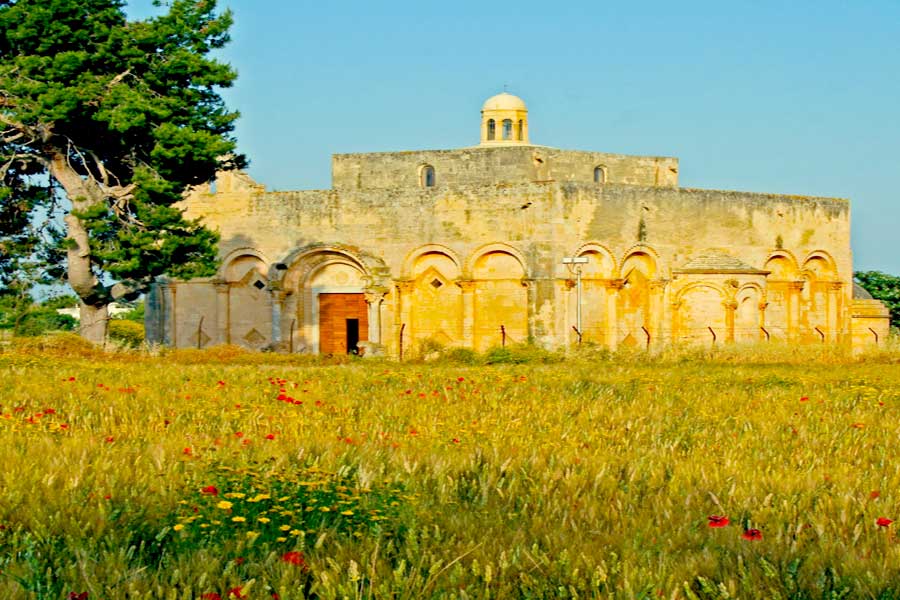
(374, 299)
(468, 321)
(794, 300)
(834, 310)
(657, 295)
(223, 318)
(531, 311)
(278, 297)
(404, 308)
(675, 308)
(730, 308)
(612, 312)
(763, 305)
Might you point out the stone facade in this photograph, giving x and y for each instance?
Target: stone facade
(465, 248)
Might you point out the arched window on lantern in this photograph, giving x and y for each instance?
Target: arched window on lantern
(507, 129)
(491, 129)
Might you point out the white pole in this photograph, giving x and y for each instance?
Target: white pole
(578, 305)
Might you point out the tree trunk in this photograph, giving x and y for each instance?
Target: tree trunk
(94, 296)
(94, 321)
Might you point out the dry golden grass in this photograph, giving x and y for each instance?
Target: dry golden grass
(592, 476)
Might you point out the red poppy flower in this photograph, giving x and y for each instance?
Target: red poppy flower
(718, 521)
(110, 440)
(210, 490)
(210, 596)
(874, 494)
(236, 592)
(238, 434)
(187, 452)
(804, 399)
(460, 379)
(239, 560)
(754, 535)
(270, 436)
(76, 595)
(295, 558)
(883, 521)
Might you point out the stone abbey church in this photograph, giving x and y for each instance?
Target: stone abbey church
(465, 248)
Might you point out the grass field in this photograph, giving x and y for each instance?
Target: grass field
(220, 474)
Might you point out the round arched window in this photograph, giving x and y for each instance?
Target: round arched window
(427, 176)
(599, 174)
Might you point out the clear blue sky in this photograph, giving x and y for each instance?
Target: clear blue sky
(789, 97)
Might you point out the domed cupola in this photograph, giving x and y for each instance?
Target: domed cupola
(504, 121)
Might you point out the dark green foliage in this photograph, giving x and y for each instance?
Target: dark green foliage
(118, 117)
(63, 301)
(39, 321)
(883, 287)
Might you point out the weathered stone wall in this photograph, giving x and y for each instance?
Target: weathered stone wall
(455, 263)
(496, 166)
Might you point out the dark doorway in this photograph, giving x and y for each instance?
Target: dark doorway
(352, 336)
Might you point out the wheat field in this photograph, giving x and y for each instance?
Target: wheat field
(741, 473)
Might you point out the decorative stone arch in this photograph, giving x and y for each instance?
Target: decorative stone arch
(491, 248)
(597, 248)
(785, 255)
(750, 320)
(236, 254)
(702, 320)
(820, 300)
(641, 249)
(410, 261)
(306, 302)
(243, 301)
(431, 304)
(295, 267)
(679, 296)
(821, 255)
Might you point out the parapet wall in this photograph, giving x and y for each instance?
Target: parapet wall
(508, 165)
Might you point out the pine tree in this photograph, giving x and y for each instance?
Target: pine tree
(118, 117)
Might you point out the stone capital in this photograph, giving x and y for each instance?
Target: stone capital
(763, 305)
(796, 285)
(730, 305)
(615, 284)
(466, 285)
(374, 296)
(405, 286)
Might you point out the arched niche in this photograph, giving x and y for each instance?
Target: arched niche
(748, 314)
(818, 298)
(638, 270)
(781, 292)
(701, 314)
(501, 298)
(249, 303)
(436, 311)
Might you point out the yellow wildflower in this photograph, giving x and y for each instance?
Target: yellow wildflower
(285, 528)
(238, 519)
(224, 505)
(178, 527)
(264, 519)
